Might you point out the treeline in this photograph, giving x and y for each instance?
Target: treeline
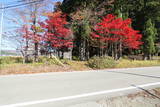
(84, 14)
(87, 28)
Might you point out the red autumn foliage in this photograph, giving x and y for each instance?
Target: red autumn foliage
(25, 32)
(56, 32)
(113, 29)
(29, 35)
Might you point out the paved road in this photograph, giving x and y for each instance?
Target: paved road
(68, 89)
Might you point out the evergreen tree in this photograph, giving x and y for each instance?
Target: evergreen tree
(149, 39)
(81, 40)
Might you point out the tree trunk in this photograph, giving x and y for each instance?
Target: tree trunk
(58, 53)
(87, 50)
(26, 59)
(145, 56)
(62, 54)
(36, 52)
(120, 50)
(115, 51)
(112, 49)
(149, 57)
(82, 50)
(100, 50)
(106, 50)
(50, 54)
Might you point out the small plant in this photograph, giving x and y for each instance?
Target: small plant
(65, 61)
(101, 62)
(75, 58)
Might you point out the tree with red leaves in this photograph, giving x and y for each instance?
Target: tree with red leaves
(57, 35)
(26, 39)
(30, 37)
(118, 33)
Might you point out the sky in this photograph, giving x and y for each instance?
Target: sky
(9, 43)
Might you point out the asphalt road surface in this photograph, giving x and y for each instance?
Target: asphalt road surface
(65, 89)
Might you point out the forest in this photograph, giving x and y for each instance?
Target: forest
(87, 28)
(114, 27)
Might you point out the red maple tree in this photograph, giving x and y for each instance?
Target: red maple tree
(56, 32)
(116, 30)
(29, 35)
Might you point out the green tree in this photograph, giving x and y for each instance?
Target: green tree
(149, 39)
(81, 39)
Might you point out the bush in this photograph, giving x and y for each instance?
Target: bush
(10, 60)
(125, 57)
(65, 61)
(75, 58)
(101, 62)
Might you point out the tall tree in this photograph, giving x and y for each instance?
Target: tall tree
(143, 10)
(21, 33)
(81, 28)
(149, 39)
(57, 35)
(116, 31)
(33, 11)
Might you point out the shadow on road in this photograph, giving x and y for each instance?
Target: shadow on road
(150, 76)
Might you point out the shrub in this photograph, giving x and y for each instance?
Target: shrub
(125, 57)
(65, 61)
(101, 62)
(75, 58)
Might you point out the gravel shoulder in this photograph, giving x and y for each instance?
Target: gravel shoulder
(140, 99)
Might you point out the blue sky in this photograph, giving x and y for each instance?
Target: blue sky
(8, 43)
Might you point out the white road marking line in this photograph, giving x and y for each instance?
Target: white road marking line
(78, 96)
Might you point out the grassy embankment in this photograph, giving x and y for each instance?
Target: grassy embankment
(14, 65)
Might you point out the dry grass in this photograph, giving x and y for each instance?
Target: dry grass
(42, 68)
(78, 65)
(17, 68)
(31, 68)
(125, 63)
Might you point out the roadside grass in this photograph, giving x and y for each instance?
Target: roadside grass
(17, 67)
(10, 59)
(30, 68)
(77, 65)
(41, 67)
(125, 63)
